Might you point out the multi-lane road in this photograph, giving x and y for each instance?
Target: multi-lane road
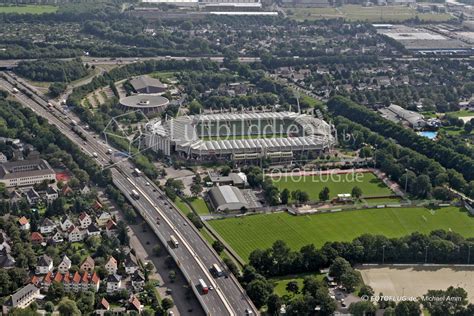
(194, 256)
(10, 63)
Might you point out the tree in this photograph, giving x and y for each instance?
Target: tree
(225, 170)
(55, 292)
(442, 306)
(172, 276)
(196, 220)
(68, 307)
(259, 291)
(339, 267)
(423, 186)
(292, 287)
(196, 189)
(324, 194)
(362, 308)
(49, 306)
(284, 196)
(218, 246)
(167, 303)
(356, 192)
(408, 308)
(273, 305)
(157, 250)
(350, 279)
(366, 291)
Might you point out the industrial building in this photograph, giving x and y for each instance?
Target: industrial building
(25, 172)
(147, 85)
(230, 198)
(241, 136)
(396, 114)
(144, 102)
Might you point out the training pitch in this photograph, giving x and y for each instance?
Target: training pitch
(245, 234)
(415, 281)
(337, 184)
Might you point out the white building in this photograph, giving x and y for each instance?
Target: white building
(44, 265)
(64, 265)
(25, 172)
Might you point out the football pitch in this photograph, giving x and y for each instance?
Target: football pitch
(337, 184)
(28, 9)
(245, 234)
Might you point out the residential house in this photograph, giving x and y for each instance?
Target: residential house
(111, 266)
(130, 264)
(6, 260)
(47, 226)
(22, 298)
(57, 238)
(75, 234)
(85, 190)
(103, 306)
(134, 304)
(88, 264)
(15, 197)
(93, 230)
(3, 158)
(84, 220)
(24, 223)
(72, 282)
(32, 196)
(66, 223)
(36, 238)
(103, 218)
(111, 228)
(64, 265)
(51, 194)
(137, 280)
(44, 265)
(67, 191)
(114, 283)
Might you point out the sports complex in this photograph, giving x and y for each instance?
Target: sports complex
(241, 136)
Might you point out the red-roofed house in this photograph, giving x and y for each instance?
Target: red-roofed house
(84, 220)
(36, 238)
(24, 223)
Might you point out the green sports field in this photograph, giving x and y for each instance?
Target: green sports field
(28, 9)
(244, 234)
(368, 182)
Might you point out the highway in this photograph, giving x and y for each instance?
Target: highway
(10, 63)
(194, 256)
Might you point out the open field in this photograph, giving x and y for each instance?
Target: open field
(360, 13)
(200, 206)
(337, 184)
(280, 282)
(245, 234)
(417, 280)
(28, 9)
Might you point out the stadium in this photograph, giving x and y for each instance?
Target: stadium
(241, 136)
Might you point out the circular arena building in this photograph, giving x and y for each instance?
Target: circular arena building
(242, 136)
(144, 102)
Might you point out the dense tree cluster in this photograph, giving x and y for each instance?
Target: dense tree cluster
(52, 70)
(437, 247)
(447, 157)
(423, 177)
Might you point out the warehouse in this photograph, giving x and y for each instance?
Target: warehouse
(230, 198)
(396, 113)
(241, 136)
(146, 84)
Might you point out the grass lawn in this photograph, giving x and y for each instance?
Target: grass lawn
(163, 75)
(183, 206)
(280, 282)
(29, 9)
(200, 206)
(337, 184)
(245, 234)
(461, 113)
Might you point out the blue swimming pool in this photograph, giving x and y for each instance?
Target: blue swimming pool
(428, 134)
